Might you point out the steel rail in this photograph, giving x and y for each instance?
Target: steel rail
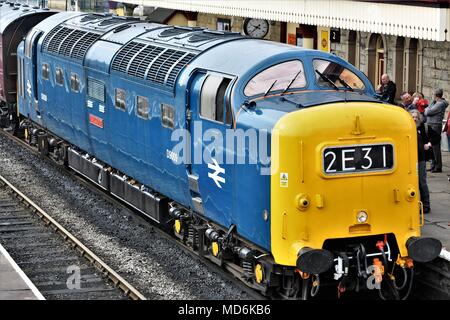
(121, 283)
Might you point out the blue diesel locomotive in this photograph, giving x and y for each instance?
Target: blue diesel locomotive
(167, 118)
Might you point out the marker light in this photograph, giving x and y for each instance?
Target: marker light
(362, 217)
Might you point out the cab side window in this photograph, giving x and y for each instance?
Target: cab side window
(167, 116)
(59, 76)
(213, 99)
(142, 107)
(120, 99)
(45, 71)
(75, 82)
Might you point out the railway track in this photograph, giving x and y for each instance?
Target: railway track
(120, 204)
(59, 265)
(433, 280)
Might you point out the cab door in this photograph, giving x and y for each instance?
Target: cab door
(210, 176)
(31, 74)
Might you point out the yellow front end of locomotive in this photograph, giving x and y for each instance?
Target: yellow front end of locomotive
(312, 200)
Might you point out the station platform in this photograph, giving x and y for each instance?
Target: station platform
(437, 222)
(14, 284)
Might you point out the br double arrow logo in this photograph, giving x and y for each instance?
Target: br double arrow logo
(217, 171)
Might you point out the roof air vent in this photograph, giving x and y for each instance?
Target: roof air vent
(173, 32)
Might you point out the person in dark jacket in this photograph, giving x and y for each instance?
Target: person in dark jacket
(387, 89)
(435, 114)
(426, 137)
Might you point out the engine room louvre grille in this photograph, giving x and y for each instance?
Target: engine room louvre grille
(167, 65)
(151, 63)
(81, 46)
(57, 39)
(69, 42)
(67, 45)
(177, 69)
(49, 37)
(152, 74)
(140, 63)
(125, 55)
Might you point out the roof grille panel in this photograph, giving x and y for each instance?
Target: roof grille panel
(69, 42)
(83, 44)
(125, 55)
(152, 63)
(173, 75)
(167, 65)
(152, 74)
(144, 58)
(50, 36)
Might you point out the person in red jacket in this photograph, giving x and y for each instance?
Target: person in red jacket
(419, 102)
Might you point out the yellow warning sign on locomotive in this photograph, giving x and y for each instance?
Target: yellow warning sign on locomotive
(284, 179)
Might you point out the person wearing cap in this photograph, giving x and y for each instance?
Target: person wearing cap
(435, 114)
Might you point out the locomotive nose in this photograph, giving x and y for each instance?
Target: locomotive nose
(423, 249)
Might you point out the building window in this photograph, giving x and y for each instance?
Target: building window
(45, 71)
(413, 65)
(223, 24)
(376, 59)
(96, 89)
(75, 82)
(167, 116)
(142, 107)
(59, 76)
(119, 100)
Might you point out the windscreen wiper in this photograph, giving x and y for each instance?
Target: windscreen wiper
(270, 88)
(342, 81)
(291, 82)
(324, 77)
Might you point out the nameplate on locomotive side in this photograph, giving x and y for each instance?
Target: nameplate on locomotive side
(96, 121)
(358, 159)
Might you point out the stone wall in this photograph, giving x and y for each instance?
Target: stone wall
(435, 67)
